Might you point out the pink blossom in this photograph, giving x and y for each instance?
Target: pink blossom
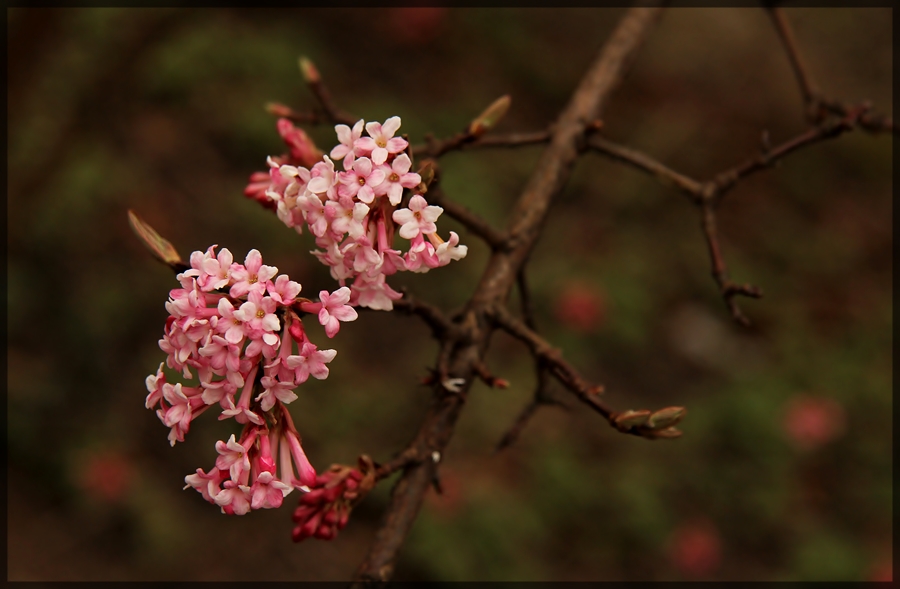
(284, 290)
(290, 448)
(363, 258)
(222, 356)
(310, 361)
(232, 457)
(451, 250)
(230, 324)
(361, 180)
(267, 492)
(179, 413)
(241, 412)
(221, 391)
(274, 389)
(418, 218)
(211, 271)
(373, 292)
(154, 384)
(206, 484)
(314, 210)
(397, 177)
(420, 257)
(252, 275)
(347, 137)
(381, 140)
(259, 318)
(323, 178)
(347, 217)
(234, 499)
(335, 309)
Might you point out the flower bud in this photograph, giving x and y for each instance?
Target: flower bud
(309, 71)
(665, 418)
(161, 249)
(668, 433)
(630, 418)
(426, 173)
(278, 109)
(490, 117)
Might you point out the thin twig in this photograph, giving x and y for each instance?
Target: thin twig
(547, 181)
(433, 316)
(540, 396)
(470, 220)
(811, 96)
(564, 372)
(817, 105)
(727, 288)
(512, 434)
(323, 95)
(313, 117)
(463, 141)
(408, 456)
(827, 129)
(641, 161)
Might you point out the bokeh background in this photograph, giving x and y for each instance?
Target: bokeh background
(785, 468)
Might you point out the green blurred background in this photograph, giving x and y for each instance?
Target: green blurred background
(784, 471)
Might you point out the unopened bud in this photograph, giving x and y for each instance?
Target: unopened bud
(668, 433)
(309, 71)
(490, 117)
(161, 249)
(426, 173)
(278, 109)
(630, 418)
(665, 418)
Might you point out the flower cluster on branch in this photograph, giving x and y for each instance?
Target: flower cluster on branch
(355, 213)
(238, 327)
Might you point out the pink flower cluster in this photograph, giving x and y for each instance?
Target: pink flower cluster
(325, 509)
(237, 325)
(353, 213)
(302, 152)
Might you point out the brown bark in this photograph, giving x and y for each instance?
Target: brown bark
(464, 347)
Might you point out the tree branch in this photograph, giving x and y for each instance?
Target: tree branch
(323, 95)
(811, 95)
(470, 220)
(541, 388)
(552, 359)
(548, 179)
(666, 176)
(433, 316)
(644, 423)
(817, 106)
(463, 141)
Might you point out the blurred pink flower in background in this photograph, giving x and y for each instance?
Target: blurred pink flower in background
(882, 571)
(695, 548)
(106, 475)
(811, 422)
(415, 25)
(580, 307)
